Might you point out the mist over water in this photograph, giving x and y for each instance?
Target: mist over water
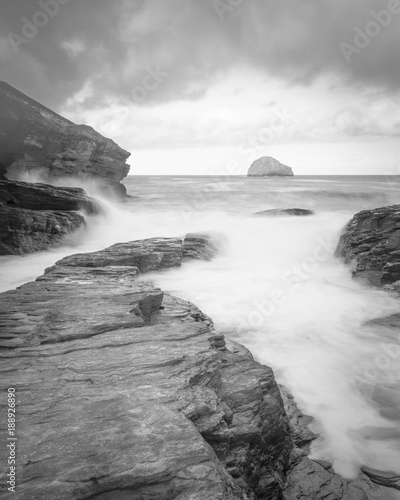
(277, 288)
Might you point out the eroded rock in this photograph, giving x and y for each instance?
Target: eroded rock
(37, 141)
(371, 243)
(27, 231)
(38, 216)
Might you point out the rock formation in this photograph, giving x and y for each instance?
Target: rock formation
(35, 140)
(277, 212)
(371, 242)
(124, 391)
(37, 143)
(38, 216)
(268, 166)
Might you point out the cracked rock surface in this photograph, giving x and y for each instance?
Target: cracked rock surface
(127, 392)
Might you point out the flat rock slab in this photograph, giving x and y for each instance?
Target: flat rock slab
(124, 391)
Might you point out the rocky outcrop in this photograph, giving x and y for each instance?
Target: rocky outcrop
(125, 391)
(35, 140)
(371, 243)
(309, 480)
(387, 479)
(38, 216)
(277, 212)
(268, 166)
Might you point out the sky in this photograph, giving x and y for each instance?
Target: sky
(196, 87)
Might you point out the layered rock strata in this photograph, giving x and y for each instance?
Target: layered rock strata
(371, 243)
(127, 392)
(37, 141)
(38, 216)
(124, 391)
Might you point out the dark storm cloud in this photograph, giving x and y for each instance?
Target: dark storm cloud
(121, 45)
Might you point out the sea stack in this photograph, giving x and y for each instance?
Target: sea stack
(266, 166)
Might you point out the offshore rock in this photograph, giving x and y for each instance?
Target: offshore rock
(267, 166)
(124, 391)
(279, 212)
(371, 243)
(35, 141)
(35, 217)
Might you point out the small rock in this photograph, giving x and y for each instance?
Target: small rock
(276, 212)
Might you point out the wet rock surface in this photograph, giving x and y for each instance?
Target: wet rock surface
(125, 391)
(371, 243)
(308, 479)
(37, 141)
(38, 216)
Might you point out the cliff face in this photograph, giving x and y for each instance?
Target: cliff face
(34, 139)
(371, 242)
(268, 166)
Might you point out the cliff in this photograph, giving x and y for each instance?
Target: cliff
(124, 391)
(268, 166)
(34, 139)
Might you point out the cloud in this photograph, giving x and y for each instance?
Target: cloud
(113, 45)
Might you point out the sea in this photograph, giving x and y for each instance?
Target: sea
(276, 287)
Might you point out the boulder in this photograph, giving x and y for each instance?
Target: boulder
(371, 244)
(35, 140)
(267, 166)
(278, 212)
